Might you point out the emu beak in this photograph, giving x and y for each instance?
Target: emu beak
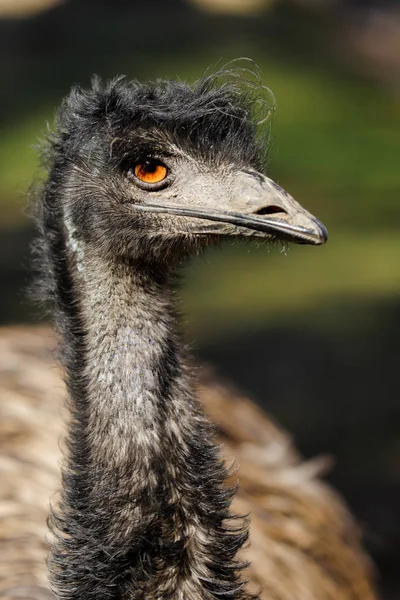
(267, 207)
(260, 208)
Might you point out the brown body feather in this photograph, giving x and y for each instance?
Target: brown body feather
(304, 543)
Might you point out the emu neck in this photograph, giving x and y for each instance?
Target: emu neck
(131, 364)
(144, 512)
(134, 386)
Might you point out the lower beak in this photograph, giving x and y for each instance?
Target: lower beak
(263, 209)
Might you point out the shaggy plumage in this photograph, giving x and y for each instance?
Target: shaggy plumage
(144, 509)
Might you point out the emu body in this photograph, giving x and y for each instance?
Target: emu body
(303, 540)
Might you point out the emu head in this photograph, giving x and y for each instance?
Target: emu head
(160, 170)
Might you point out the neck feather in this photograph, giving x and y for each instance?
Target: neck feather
(144, 513)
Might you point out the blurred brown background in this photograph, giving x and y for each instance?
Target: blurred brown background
(311, 334)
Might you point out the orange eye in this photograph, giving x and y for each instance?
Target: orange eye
(151, 171)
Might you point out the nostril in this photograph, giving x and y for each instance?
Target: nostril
(270, 210)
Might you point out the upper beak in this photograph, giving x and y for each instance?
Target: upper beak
(257, 206)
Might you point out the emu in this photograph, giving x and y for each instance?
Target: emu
(141, 177)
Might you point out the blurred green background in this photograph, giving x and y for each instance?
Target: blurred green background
(311, 333)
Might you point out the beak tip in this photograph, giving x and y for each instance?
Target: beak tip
(322, 233)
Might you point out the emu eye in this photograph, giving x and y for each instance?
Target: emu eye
(151, 171)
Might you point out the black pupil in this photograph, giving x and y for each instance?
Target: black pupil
(150, 166)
